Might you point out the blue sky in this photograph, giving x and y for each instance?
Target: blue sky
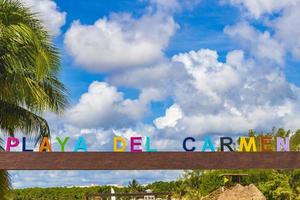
(170, 69)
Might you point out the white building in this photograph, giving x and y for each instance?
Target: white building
(149, 197)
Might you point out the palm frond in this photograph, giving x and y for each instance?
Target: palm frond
(14, 118)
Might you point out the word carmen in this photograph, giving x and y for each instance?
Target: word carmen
(246, 144)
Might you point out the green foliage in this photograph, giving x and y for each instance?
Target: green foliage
(74, 193)
(29, 66)
(274, 184)
(134, 186)
(160, 186)
(295, 141)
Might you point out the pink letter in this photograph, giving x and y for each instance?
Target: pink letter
(11, 142)
(135, 142)
(283, 145)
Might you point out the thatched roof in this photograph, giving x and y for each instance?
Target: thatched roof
(238, 192)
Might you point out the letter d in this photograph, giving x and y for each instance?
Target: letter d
(122, 146)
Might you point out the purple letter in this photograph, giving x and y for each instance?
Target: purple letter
(283, 145)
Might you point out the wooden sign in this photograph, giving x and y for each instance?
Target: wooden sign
(148, 160)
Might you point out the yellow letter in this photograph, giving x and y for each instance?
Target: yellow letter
(118, 140)
(247, 146)
(45, 145)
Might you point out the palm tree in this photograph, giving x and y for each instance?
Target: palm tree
(134, 186)
(180, 188)
(29, 66)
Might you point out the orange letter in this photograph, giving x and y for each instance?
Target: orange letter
(266, 143)
(45, 145)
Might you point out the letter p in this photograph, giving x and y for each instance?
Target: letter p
(12, 142)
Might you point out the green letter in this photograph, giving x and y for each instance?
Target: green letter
(62, 143)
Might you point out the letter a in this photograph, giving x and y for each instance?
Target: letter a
(80, 145)
(45, 145)
(208, 143)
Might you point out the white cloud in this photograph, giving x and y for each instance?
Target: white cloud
(284, 38)
(172, 115)
(256, 8)
(96, 107)
(120, 41)
(104, 106)
(228, 97)
(204, 67)
(50, 14)
(232, 96)
(219, 97)
(285, 30)
(261, 44)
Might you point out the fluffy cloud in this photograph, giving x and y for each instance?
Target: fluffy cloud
(256, 8)
(104, 106)
(284, 38)
(96, 107)
(261, 44)
(50, 14)
(219, 97)
(173, 114)
(120, 41)
(232, 96)
(209, 96)
(285, 30)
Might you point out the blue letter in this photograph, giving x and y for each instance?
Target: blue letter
(80, 144)
(24, 145)
(148, 149)
(208, 143)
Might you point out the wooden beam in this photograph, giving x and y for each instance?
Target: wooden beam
(147, 161)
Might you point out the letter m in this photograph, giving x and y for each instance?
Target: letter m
(247, 145)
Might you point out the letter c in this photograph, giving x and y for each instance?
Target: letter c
(184, 144)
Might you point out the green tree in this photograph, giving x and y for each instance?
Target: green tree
(160, 186)
(29, 66)
(134, 186)
(180, 189)
(295, 141)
